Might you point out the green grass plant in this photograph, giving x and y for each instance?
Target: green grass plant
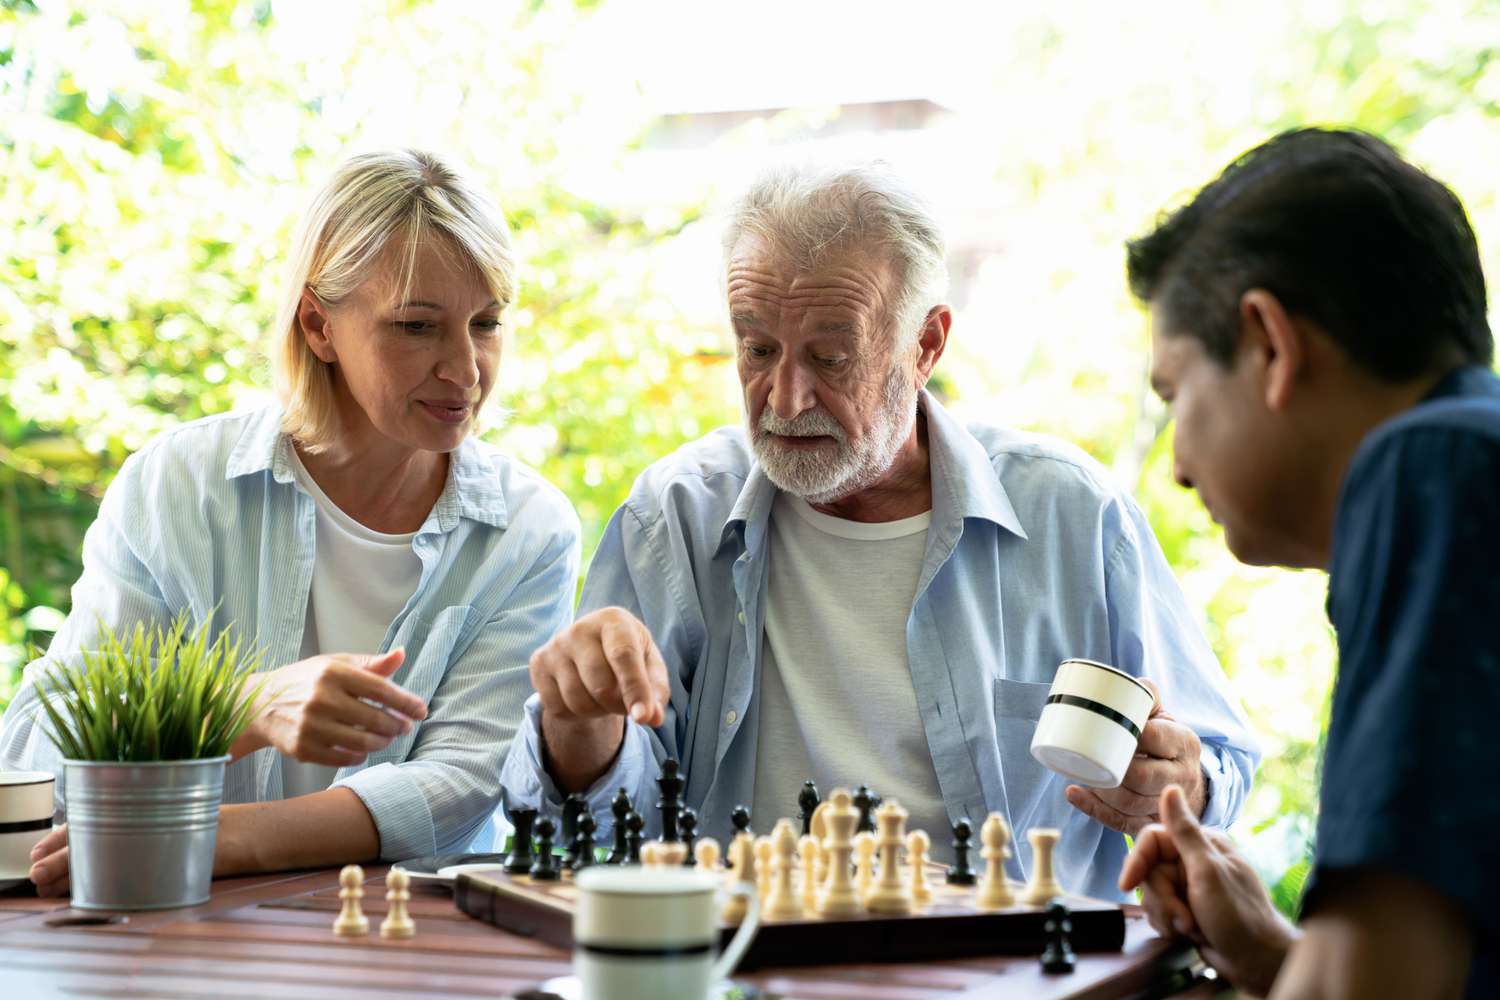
(152, 695)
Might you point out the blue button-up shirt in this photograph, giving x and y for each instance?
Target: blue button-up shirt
(209, 518)
(1032, 556)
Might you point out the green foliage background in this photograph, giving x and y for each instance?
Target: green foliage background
(155, 154)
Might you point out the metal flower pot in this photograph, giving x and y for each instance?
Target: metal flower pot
(141, 836)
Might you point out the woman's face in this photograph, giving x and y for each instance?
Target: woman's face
(411, 363)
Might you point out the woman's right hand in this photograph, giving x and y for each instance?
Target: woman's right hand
(332, 709)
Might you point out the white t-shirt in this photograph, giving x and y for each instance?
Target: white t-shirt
(361, 581)
(837, 704)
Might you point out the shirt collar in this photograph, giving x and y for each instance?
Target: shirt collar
(472, 491)
(964, 483)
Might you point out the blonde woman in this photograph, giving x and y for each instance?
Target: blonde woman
(397, 571)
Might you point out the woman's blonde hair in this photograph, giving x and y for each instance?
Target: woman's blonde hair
(372, 200)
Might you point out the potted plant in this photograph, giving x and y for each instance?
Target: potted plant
(144, 723)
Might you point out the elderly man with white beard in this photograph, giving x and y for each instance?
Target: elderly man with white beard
(861, 590)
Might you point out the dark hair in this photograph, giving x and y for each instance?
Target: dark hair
(1344, 233)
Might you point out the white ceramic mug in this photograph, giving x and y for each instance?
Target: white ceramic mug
(651, 933)
(25, 818)
(1091, 723)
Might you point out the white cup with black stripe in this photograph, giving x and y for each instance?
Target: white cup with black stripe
(1091, 723)
(25, 818)
(653, 933)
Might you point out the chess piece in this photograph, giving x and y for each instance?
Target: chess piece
(573, 807)
(650, 855)
(994, 889)
(820, 833)
(583, 844)
(917, 846)
(763, 851)
(706, 854)
(634, 824)
(619, 808)
(742, 865)
(739, 817)
(890, 894)
(397, 922)
(687, 823)
(811, 859)
(864, 863)
(961, 872)
(839, 897)
(783, 903)
(1058, 955)
(671, 854)
(1043, 885)
(351, 921)
(864, 800)
(518, 861)
(671, 783)
(544, 868)
(807, 803)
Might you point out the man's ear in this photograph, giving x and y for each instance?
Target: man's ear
(931, 341)
(1268, 329)
(312, 315)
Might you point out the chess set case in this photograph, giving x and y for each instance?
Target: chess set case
(949, 928)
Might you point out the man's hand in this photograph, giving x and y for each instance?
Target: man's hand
(1197, 885)
(590, 677)
(332, 710)
(1167, 755)
(49, 863)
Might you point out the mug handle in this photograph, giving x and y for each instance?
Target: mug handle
(736, 950)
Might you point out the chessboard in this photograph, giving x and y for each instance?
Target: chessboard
(947, 927)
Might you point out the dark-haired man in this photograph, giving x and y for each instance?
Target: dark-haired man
(1319, 329)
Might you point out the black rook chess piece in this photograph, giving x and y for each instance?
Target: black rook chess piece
(619, 808)
(1058, 956)
(544, 868)
(634, 824)
(688, 824)
(671, 783)
(518, 861)
(807, 802)
(961, 872)
(865, 800)
(583, 844)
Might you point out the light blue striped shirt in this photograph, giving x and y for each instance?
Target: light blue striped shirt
(1032, 556)
(209, 518)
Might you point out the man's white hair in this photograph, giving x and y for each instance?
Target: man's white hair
(809, 213)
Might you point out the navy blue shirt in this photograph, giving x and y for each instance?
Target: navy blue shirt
(1412, 763)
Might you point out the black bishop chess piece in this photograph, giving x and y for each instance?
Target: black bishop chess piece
(544, 868)
(961, 872)
(619, 808)
(865, 801)
(1058, 955)
(634, 824)
(583, 843)
(687, 823)
(807, 804)
(671, 783)
(518, 861)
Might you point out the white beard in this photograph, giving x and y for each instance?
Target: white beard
(836, 470)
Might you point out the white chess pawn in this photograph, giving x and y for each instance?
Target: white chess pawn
(651, 854)
(763, 872)
(890, 894)
(917, 846)
(839, 897)
(351, 921)
(783, 903)
(811, 860)
(1043, 885)
(742, 857)
(994, 890)
(397, 922)
(864, 861)
(706, 853)
(671, 853)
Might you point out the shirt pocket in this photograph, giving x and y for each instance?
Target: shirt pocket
(430, 647)
(1018, 707)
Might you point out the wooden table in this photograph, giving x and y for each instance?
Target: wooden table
(269, 936)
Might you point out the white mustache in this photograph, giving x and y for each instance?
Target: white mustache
(813, 423)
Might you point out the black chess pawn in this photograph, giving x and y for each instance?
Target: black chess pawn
(807, 803)
(634, 824)
(544, 868)
(961, 872)
(619, 808)
(671, 783)
(864, 800)
(740, 819)
(1058, 955)
(583, 843)
(518, 861)
(688, 824)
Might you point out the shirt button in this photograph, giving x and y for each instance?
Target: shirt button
(730, 717)
(741, 617)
